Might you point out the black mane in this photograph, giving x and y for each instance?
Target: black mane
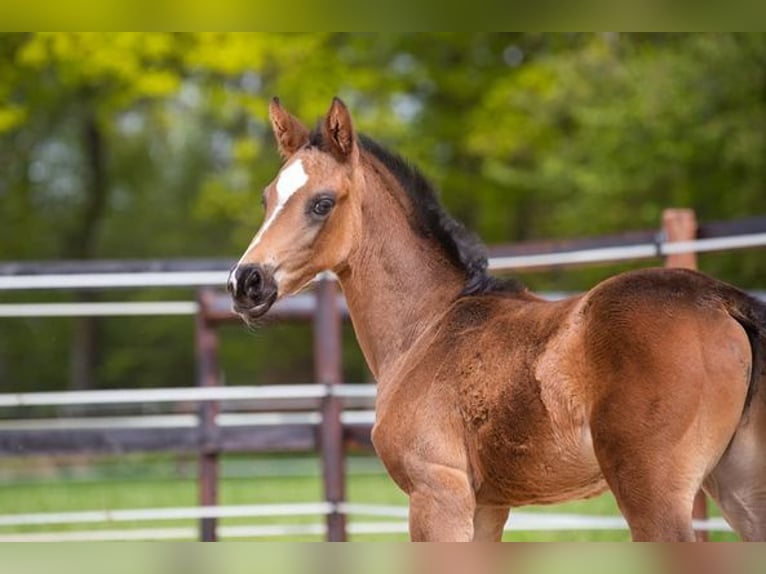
(462, 247)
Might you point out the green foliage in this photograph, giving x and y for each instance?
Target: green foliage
(625, 127)
(527, 135)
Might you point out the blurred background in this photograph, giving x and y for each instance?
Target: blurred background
(157, 145)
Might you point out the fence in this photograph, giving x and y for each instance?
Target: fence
(254, 433)
(324, 424)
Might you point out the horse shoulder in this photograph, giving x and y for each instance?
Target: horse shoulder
(417, 421)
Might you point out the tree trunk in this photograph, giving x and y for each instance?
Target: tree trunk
(81, 245)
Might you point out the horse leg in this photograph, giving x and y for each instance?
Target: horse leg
(655, 462)
(666, 519)
(738, 482)
(442, 506)
(488, 523)
(654, 495)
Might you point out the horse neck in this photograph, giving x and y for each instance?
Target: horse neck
(396, 283)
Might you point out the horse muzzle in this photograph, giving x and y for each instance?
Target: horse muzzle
(253, 290)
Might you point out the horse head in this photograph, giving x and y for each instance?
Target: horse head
(312, 213)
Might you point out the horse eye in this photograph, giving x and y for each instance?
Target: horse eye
(323, 206)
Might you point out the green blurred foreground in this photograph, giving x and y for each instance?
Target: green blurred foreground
(383, 559)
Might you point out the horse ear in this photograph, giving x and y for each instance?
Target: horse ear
(339, 131)
(290, 133)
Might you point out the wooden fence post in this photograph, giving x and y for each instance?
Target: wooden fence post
(681, 225)
(328, 368)
(206, 336)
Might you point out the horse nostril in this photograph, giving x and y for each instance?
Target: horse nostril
(253, 283)
(255, 290)
(254, 287)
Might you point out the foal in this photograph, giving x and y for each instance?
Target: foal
(490, 397)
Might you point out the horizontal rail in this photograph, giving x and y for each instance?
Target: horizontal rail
(373, 510)
(111, 309)
(128, 309)
(192, 533)
(714, 244)
(598, 255)
(98, 266)
(627, 252)
(519, 521)
(113, 280)
(153, 514)
(190, 394)
(363, 417)
(227, 439)
(118, 279)
(501, 263)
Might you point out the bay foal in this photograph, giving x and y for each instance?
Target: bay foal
(489, 397)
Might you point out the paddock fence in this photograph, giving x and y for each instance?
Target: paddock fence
(325, 415)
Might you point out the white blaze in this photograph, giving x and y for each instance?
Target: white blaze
(291, 179)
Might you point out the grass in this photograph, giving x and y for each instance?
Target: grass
(151, 482)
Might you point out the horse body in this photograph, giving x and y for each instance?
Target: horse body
(536, 402)
(489, 397)
(553, 400)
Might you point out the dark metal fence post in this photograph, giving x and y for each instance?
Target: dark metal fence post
(207, 376)
(328, 367)
(681, 225)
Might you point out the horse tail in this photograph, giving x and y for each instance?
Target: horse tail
(751, 314)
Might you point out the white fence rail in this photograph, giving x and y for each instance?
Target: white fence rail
(627, 253)
(110, 309)
(218, 278)
(190, 394)
(518, 521)
(113, 280)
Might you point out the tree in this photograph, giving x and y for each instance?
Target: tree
(71, 85)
